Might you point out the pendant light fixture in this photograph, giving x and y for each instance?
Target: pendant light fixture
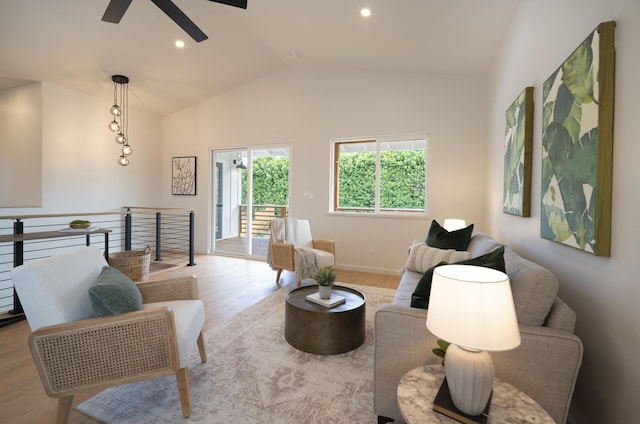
(120, 112)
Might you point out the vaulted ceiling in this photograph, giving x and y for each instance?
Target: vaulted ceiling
(65, 42)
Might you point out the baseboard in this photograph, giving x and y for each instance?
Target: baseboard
(371, 270)
(346, 267)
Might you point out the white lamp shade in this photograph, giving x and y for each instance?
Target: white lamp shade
(452, 224)
(472, 306)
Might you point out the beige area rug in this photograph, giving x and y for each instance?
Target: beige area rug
(254, 376)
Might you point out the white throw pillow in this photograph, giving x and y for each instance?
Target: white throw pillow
(423, 257)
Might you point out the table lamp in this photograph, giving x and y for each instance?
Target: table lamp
(472, 308)
(452, 224)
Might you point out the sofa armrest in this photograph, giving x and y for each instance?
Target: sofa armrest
(102, 352)
(545, 366)
(402, 342)
(180, 288)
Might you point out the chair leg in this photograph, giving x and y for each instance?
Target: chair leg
(201, 349)
(278, 276)
(298, 283)
(183, 390)
(64, 409)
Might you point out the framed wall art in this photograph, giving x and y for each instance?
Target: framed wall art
(577, 146)
(183, 176)
(518, 138)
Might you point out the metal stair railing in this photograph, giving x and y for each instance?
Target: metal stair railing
(168, 231)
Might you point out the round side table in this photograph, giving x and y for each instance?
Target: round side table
(419, 387)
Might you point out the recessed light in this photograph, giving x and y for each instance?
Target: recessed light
(179, 44)
(294, 54)
(365, 12)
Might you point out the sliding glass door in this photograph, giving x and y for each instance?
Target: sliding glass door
(251, 187)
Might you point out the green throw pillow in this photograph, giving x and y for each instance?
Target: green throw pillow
(114, 293)
(420, 297)
(439, 237)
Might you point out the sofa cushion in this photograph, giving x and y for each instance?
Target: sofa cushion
(114, 293)
(423, 257)
(408, 282)
(420, 297)
(439, 237)
(481, 244)
(534, 288)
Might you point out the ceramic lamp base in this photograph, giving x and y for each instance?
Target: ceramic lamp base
(470, 377)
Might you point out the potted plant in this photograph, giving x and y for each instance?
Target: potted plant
(325, 278)
(441, 350)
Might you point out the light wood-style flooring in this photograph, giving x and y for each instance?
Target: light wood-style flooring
(226, 285)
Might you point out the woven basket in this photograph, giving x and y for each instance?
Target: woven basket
(133, 263)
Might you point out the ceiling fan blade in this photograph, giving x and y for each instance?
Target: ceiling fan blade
(237, 3)
(115, 11)
(183, 21)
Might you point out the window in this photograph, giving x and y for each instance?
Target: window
(379, 175)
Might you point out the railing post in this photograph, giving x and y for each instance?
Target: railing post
(191, 238)
(158, 236)
(18, 259)
(127, 230)
(18, 246)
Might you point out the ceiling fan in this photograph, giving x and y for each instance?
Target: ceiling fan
(117, 8)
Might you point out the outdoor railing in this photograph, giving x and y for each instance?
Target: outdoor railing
(261, 215)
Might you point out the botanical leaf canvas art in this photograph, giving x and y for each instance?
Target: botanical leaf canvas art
(577, 139)
(516, 199)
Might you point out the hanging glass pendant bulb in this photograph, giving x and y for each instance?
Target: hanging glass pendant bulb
(120, 112)
(114, 126)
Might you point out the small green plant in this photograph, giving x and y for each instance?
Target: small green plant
(79, 223)
(441, 350)
(325, 276)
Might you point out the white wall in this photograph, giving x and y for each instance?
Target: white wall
(603, 291)
(21, 146)
(80, 172)
(306, 109)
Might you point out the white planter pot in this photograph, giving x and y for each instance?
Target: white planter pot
(324, 291)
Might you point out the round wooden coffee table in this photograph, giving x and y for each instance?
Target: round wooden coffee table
(317, 329)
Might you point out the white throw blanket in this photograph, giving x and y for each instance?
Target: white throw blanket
(305, 258)
(278, 235)
(306, 261)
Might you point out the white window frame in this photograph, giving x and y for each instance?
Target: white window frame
(413, 213)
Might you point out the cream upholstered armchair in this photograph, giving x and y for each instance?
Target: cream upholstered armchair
(292, 248)
(73, 351)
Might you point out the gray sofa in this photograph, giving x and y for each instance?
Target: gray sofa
(545, 365)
